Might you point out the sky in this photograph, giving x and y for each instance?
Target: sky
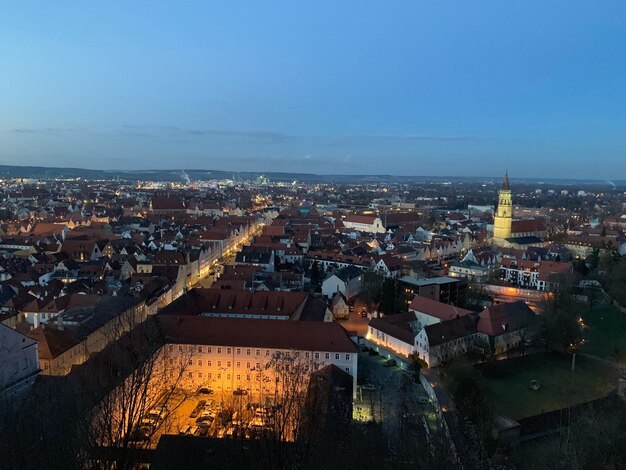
(442, 88)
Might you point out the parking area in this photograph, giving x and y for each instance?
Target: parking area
(389, 394)
(209, 413)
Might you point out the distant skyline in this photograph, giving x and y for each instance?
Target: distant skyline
(405, 88)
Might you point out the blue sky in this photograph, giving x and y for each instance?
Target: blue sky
(403, 87)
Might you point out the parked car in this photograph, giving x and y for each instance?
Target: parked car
(240, 391)
(390, 363)
(205, 391)
(351, 308)
(373, 352)
(365, 349)
(196, 411)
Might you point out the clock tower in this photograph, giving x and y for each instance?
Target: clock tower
(504, 214)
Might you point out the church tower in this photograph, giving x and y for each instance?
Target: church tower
(504, 214)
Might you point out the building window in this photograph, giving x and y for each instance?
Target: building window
(267, 352)
(180, 348)
(327, 356)
(238, 351)
(171, 348)
(208, 363)
(238, 364)
(248, 365)
(228, 364)
(208, 376)
(258, 365)
(199, 349)
(191, 362)
(247, 376)
(258, 352)
(191, 375)
(238, 377)
(199, 375)
(336, 357)
(228, 350)
(219, 376)
(347, 357)
(227, 376)
(306, 355)
(348, 370)
(208, 350)
(190, 348)
(200, 362)
(219, 363)
(317, 355)
(247, 352)
(219, 350)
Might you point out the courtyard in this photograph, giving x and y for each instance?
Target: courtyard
(507, 383)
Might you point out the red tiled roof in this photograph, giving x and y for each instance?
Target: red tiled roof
(278, 334)
(437, 309)
(528, 225)
(361, 219)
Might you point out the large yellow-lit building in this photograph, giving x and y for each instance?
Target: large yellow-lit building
(504, 215)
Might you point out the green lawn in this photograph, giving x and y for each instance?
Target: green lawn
(510, 392)
(605, 333)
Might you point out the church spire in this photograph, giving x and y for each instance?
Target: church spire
(505, 182)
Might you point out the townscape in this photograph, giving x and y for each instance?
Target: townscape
(259, 323)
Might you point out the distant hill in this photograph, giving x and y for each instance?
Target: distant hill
(14, 171)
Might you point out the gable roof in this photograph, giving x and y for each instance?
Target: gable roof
(449, 330)
(437, 309)
(504, 318)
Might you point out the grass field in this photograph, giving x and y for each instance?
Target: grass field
(605, 333)
(507, 383)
